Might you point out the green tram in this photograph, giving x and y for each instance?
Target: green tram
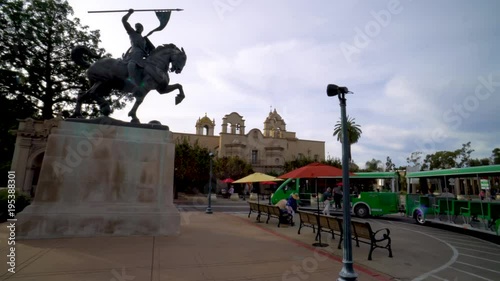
(450, 196)
(453, 197)
(307, 187)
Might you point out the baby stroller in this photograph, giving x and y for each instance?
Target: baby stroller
(286, 218)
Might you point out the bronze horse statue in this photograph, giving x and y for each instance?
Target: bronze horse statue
(107, 74)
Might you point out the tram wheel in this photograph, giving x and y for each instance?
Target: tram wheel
(419, 217)
(361, 211)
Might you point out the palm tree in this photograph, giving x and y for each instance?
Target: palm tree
(353, 132)
(374, 165)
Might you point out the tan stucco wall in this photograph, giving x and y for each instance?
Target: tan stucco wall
(209, 142)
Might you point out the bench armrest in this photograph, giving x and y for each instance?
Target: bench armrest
(385, 235)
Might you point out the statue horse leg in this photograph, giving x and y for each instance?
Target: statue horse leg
(79, 100)
(133, 111)
(169, 88)
(94, 94)
(104, 106)
(78, 107)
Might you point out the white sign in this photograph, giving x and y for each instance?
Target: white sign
(485, 184)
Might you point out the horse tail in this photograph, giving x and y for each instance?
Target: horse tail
(78, 53)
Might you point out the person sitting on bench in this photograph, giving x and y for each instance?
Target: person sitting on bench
(291, 206)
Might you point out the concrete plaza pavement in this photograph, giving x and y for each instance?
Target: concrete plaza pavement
(211, 247)
(222, 246)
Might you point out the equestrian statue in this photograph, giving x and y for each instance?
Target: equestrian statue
(141, 69)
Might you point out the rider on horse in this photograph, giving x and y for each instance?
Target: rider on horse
(141, 48)
(142, 69)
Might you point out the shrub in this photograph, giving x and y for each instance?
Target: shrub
(22, 200)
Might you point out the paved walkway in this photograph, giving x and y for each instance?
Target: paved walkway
(211, 247)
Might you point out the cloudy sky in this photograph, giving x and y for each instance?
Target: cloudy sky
(425, 74)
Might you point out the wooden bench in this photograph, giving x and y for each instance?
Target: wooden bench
(327, 224)
(254, 207)
(271, 211)
(362, 232)
(274, 212)
(307, 219)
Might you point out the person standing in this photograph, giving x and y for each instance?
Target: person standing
(337, 196)
(327, 197)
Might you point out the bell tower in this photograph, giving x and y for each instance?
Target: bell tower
(274, 126)
(205, 126)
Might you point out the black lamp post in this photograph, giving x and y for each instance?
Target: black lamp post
(347, 273)
(209, 208)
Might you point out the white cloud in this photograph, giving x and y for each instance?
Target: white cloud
(284, 53)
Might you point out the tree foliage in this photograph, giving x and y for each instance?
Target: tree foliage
(389, 166)
(11, 109)
(440, 160)
(192, 166)
(303, 161)
(297, 163)
(333, 161)
(479, 162)
(464, 155)
(415, 158)
(353, 132)
(231, 167)
(495, 156)
(374, 166)
(36, 39)
(458, 158)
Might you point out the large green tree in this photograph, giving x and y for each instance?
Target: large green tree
(37, 77)
(192, 166)
(36, 38)
(231, 167)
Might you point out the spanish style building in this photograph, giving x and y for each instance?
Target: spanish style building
(266, 150)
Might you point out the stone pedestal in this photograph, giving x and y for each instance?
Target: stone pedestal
(235, 197)
(107, 178)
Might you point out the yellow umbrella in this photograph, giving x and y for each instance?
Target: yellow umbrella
(257, 177)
